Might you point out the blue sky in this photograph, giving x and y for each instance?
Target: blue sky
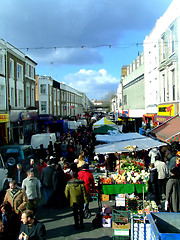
(81, 43)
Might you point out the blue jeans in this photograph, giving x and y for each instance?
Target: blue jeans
(48, 191)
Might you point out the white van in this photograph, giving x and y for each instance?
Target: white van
(42, 138)
(72, 125)
(4, 180)
(81, 122)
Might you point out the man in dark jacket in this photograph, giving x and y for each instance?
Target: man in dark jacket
(153, 184)
(47, 182)
(31, 229)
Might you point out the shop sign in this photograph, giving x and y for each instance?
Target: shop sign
(166, 110)
(161, 119)
(125, 113)
(4, 118)
(25, 116)
(71, 107)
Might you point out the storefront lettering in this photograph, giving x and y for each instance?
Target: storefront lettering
(4, 117)
(166, 110)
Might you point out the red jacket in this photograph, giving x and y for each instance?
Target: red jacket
(88, 179)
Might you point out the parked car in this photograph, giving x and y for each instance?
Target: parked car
(13, 154)
(4, 180)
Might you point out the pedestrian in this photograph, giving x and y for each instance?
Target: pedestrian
(42, 152)
(47, 182)
(64, 147)
(41, 164)
(19, 174)
(75, 191)
(59, 183)
(33, 167)
(162, 175)
(10, 222)
(153, 192)
(108, 163)
(31, 229)
(68, 172)
(81, 160)
(172, 162)
(86, 176)
(153, 153)
(32, 189)
(50, 149)
(172, 190)
(17, 198)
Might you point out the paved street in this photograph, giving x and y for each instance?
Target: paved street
(60, 224)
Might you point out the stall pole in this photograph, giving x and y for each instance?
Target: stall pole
(119, 162)
(143, 158)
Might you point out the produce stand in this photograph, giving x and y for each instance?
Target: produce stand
(123, 188)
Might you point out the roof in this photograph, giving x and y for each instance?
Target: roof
(169, 131)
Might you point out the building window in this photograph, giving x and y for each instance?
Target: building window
(32, 97)
(31, 72)
(27, 69)
(2, 70)
(20, 96)
(19, 72)
(27, 96)
(43, 88)
(125, 99)
(2, 95)
(163, 45)
(171, 39)
(43, 106)
(11, 68)
(12, 97)
(173, 84)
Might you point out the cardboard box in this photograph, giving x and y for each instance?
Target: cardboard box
(104, 197)
(121, 226)
(121, 232)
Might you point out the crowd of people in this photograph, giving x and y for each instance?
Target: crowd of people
(62, 172)
(62, 169)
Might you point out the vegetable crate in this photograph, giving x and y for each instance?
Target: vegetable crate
(119, 216)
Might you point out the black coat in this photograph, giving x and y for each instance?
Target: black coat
(47, 176)
(173, 193)
(36, 232)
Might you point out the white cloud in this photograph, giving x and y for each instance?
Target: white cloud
(96, 84)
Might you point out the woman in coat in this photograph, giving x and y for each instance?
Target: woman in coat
(172, 190)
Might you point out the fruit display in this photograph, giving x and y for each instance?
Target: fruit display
(105, 180)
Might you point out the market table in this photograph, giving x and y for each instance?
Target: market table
(123, 188)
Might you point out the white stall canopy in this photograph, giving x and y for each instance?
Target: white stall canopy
(118, 137)
(141, 143)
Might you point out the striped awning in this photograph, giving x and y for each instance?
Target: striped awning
(168, 131)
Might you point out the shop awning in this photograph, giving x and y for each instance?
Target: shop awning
(118, 137)
(169, 131)
(141, 143)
